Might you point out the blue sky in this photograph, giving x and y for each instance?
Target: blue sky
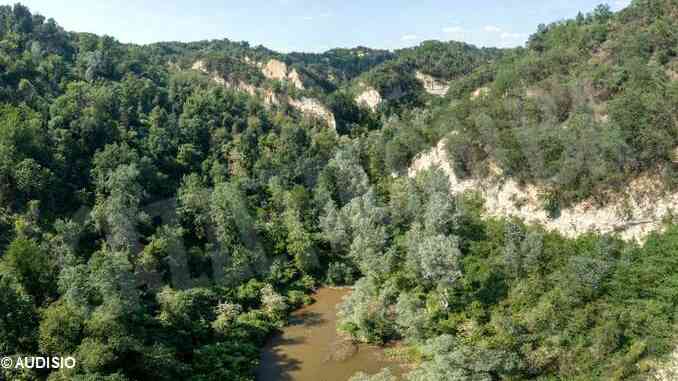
(314, 25)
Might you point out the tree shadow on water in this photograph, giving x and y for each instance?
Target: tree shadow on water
(307, 318)
(278, 366)
(282, 341)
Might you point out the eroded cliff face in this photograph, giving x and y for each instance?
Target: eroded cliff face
(200, 65)
(481, 91)
(634, 213)
(372, 98)
(294, 77)
(369, 98)
(312, 107)
(278, 70)
(275, 69)
(309, 107)
(666, 370)
(236, 85)
(432, 85)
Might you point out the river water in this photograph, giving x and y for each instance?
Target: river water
(310, 349)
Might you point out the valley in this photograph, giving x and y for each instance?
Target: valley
(216, 210)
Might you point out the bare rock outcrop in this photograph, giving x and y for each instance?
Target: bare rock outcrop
(308, 106)
(370, 98)
(200, 65)
(236, 85)
(666, 370)
(278, 71)
(312, 107)
(294, 77)
(275, 69)
(633, 214)
(532, 92)
(481, 91)
(432, 85)
(673, 75)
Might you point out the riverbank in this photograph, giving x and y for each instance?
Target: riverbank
(311, 349)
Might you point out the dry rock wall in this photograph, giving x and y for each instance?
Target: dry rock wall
(278, 70)
(369, 98)
(432, 85)
(312, 107)
(309, 107)
(634, 213)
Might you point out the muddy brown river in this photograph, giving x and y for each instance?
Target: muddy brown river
(310, 349)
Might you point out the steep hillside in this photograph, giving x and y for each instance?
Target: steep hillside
(319, 83)
(272, 82)
(424, 69)
(164, 208)
(642, 207)
(586, 107)
(339, 66)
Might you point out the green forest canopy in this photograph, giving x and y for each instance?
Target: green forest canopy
(155, 224)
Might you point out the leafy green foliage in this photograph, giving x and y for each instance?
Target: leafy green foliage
(498, 300)
(32, 268)
(156, 224)
(580, 110)
(17, 322)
